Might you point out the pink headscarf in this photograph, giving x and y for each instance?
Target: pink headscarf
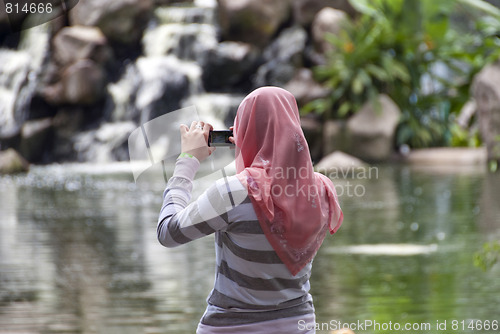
(295, 206)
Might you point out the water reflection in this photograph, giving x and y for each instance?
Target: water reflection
(78, 253)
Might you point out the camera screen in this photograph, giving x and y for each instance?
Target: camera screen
(220, 138)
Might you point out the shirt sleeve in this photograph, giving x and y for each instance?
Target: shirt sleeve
(179, 221)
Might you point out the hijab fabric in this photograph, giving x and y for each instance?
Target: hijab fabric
(295, 206)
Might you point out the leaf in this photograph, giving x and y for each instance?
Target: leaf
(357, 85)
(365, 78)
(377, 72)
(334, 40)
(344, 109)
(483, 6)
(400, 71)
(317, 106)
(364, 7)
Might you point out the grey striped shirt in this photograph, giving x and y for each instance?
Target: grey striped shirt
(252, 284)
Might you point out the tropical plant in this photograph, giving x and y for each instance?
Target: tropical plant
(414, 52)
(361, 65)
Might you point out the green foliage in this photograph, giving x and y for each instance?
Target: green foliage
(488, 256)
(414, 52)
(461, 137)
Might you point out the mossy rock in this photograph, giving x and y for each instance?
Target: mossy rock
(12, 162)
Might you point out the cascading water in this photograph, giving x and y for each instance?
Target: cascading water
(167, 77)
(19, 74)
(176, 45)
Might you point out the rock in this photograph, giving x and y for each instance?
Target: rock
(252, 21)
(282, 58)
(83, 82)
(185, 41)
(107, 143)
(339, 161)
(75, 43)
(120, 21)
(35, 138)
(304, 88)
(333, 136)
(447, 156)
(370, 132)
(466, 114)
(486, 91)
(304, 11)
(12, 162)
(164, 83)
(326, 21)
(228, 64)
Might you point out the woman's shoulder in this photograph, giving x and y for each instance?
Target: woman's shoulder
(230, 183)
(230, 188)
(229, 195)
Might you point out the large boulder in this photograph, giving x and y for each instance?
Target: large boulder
(370, 132)
(228, 65)
(121, 21)
(12, 162)
(79, 42)
(252, 21)
(486, 91)
(82, 82)
(76, 74)
(164, 84)
(282, 58)
(327, 21)
(304, 11)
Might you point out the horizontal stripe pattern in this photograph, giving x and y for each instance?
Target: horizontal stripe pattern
(219, 317)
(252, 284)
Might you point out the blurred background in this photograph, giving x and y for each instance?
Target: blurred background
(399, 101)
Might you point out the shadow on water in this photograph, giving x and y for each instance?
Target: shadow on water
(78, 254)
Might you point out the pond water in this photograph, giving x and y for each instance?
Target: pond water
(78, 254)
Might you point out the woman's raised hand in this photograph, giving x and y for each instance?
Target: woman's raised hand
(194, 140)
(231, 139)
